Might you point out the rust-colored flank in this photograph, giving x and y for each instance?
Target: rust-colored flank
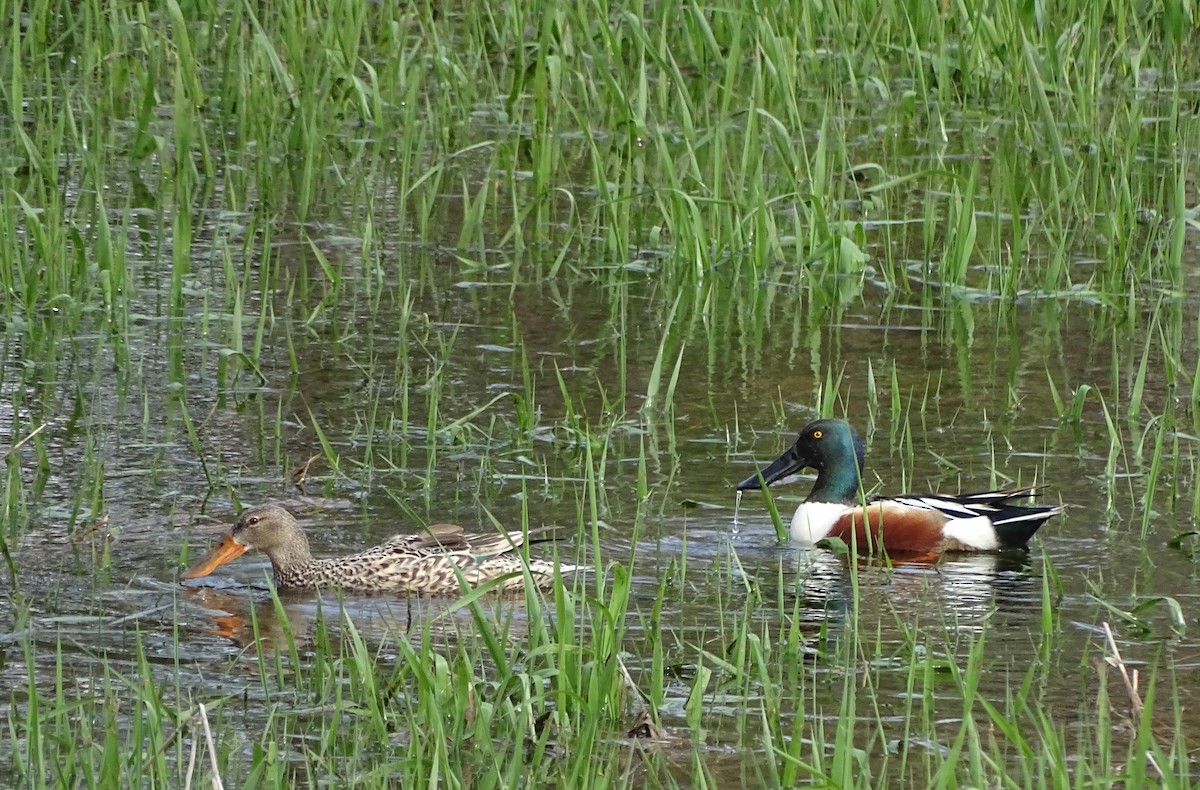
(893, 528)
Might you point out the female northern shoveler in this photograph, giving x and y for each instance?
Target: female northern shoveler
(908, 524)
(425, 563)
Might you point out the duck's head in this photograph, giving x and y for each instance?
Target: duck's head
(831, 447)
(268, 528)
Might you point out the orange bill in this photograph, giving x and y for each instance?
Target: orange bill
(227, 549)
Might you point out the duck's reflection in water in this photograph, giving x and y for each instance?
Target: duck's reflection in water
(253, 617)
(966, 590)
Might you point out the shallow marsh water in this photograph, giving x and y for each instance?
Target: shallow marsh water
(987, 420)
(410, 312)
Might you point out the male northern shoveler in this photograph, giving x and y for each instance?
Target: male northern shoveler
(421, 564)
(908, 524)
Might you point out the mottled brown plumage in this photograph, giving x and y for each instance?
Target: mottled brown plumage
(424, 563)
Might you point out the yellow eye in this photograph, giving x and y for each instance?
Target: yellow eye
(818, 434)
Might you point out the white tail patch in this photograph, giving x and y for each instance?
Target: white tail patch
(977, 532)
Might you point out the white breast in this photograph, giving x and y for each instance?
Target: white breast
(815, 520)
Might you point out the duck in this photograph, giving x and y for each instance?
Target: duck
(429, 562)
(909, 524)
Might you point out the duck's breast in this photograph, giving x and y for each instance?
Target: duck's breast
(889, 525)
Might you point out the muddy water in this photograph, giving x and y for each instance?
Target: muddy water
(971, 378)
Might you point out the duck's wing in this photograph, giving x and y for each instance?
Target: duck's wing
(981, 518)
(452, 539)
(995, 505)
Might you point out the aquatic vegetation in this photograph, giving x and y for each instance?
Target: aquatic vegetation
(573, 264)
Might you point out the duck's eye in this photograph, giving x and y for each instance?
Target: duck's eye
(818, 434)
(252, 520)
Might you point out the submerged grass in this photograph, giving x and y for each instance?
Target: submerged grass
(226, 204)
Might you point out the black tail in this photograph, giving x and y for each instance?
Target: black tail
(1015, 524)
